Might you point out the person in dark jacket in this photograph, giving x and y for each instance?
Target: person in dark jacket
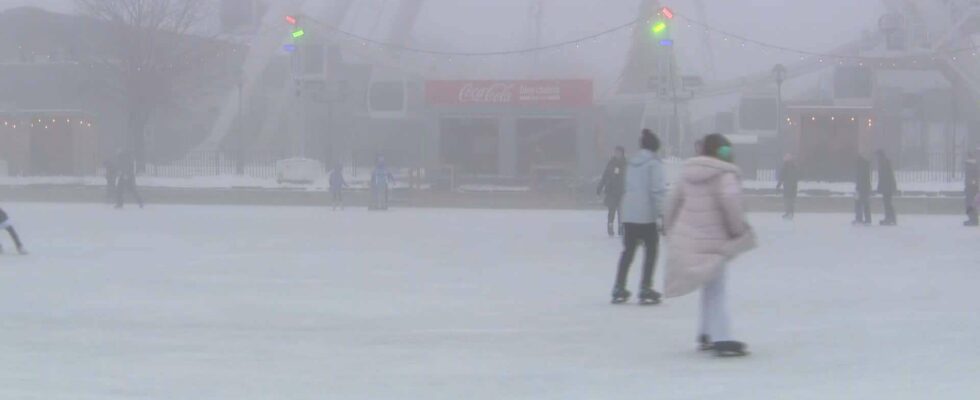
(789, 181)
(337, 185)
(126, 181)
(971, 188)
(612, 186)
(5, 224)
(862, 187)
(642, 207)
(887, 187)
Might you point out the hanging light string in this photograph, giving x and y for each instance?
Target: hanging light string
(364, 40)
(537, 49)
(807, 53)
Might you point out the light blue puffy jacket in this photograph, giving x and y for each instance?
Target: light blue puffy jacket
(645, 189)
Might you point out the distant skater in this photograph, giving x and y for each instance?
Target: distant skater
(706, 229)
(642, 203)
(971, 188)
(126, 181)
(862, 189)
(789, 181)
(381, 179)
(111, 174)
(8, 226)
(612, 186)
(887, 187)
(337, 185)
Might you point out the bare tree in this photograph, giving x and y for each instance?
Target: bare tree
(155, 48)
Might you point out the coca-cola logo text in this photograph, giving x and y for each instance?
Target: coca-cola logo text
(496, 93)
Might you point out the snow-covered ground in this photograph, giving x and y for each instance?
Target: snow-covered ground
(181, 302)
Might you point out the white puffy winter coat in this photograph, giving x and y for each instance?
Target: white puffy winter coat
(705, 224)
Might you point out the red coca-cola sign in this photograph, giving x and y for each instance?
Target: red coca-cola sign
(537, 93)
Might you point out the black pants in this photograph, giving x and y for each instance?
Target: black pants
(862, 208)
(127, 185)
(649, 236)
(890, 216)
(789, 203)
(611, 217)
(971, 210)
(110, 190)
(13, 235)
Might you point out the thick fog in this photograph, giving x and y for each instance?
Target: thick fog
(489, 199)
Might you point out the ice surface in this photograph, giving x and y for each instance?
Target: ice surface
(181, 302)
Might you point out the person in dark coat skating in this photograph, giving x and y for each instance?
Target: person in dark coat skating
(126, 181)
(862, 188)
(612, 186)
(7, 225)
(642, 207)
(789, 181)
(888, 187)
(971, 188)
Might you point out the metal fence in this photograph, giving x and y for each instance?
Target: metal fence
(940, 167)
(210, 164)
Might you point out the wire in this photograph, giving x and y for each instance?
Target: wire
(746, 40)
(480, 54)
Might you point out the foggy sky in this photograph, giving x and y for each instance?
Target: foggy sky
(484, 25)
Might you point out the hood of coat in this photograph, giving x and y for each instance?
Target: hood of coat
(702, 169)
(642, 157)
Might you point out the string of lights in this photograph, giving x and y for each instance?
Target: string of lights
(743, 41)
(537, 49)
(45, 123)
(657, 24)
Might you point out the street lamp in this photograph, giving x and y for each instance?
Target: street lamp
(240, 142)
(779, 74)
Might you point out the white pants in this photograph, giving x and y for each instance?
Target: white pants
(714, 310)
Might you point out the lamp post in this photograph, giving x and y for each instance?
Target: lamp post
(779, 74)
(240, 140)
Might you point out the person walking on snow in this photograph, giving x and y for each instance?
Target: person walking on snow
(862, 188)
(381, 178)
(337, 185)
(7, 225)
(971, 188)
(126, 181)
(887, 186)
(612, 186)
(789, 181)
(641, 209)
(706, 229)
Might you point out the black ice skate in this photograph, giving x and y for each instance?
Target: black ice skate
(888, 223)
(649, 297)
(729, 349)
(620, 296)
(971, 223)
(704, 343)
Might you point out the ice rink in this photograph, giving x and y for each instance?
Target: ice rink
(181, 302)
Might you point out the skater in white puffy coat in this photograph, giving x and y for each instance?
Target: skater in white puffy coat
(706, 228)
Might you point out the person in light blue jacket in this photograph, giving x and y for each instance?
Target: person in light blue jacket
(641, 209)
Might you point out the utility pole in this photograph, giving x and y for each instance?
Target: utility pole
(240, 142)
